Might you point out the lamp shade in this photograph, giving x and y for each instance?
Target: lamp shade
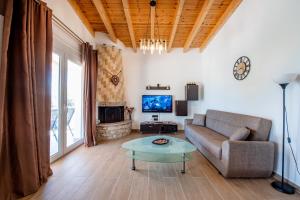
(285, 78)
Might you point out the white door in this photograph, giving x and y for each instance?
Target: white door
(74, 103)
(55, 130)
(66, 104)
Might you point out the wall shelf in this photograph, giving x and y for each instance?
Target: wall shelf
(158, 87)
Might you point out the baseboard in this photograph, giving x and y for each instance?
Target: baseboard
(277, 177)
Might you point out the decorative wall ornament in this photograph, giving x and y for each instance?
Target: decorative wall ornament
(110, 80)
(114, 77)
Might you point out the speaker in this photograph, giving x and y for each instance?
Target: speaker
(192, 92)
(181, 108)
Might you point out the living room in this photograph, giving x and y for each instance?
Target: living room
(239, 56)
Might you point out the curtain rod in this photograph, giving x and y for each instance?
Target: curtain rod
(66, 28)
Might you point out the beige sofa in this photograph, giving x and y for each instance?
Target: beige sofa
(251, 158)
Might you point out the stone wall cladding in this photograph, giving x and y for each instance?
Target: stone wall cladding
(109, 63)
(108, 131)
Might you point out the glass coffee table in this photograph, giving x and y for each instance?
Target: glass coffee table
(176, 150)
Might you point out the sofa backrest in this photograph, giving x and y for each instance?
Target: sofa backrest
(226, 123)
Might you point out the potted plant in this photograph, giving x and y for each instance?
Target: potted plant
(129, 110)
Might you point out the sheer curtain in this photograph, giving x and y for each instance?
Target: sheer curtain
(25, 95)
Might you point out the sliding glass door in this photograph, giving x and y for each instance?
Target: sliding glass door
(66, 104)
(74, 103)
(55, 106)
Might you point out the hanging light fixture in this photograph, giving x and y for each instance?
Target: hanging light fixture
(149, 44)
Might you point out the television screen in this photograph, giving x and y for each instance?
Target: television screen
(157, 103)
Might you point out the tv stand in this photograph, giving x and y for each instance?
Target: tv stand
(158, 127)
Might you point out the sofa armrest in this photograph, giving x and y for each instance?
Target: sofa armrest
(248, 158)
(187, 121)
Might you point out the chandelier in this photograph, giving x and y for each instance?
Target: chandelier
(152, 44)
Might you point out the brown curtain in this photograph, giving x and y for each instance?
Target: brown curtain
(89, 58)
(25, 98)
(1, 7)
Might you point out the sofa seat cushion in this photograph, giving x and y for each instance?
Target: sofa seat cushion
(209, 139)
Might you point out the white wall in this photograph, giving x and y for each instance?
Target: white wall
(268, 32)
(63, 10)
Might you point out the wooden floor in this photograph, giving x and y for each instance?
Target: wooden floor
(103, 172)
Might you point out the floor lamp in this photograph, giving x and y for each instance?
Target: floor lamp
(281, 186)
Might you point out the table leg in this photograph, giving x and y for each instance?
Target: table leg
(133, 161)
(183, 164)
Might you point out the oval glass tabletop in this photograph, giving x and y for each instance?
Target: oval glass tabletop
(176, 150)
(145, 145)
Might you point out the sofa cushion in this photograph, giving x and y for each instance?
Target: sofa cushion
(221, 127)
(240, 135)
(199, 120)
(209, 139)
(227, 123)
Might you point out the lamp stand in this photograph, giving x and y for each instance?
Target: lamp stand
(281, 186)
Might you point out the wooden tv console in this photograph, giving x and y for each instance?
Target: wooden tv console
(158, 127)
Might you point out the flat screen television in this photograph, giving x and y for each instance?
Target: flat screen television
(157, 103)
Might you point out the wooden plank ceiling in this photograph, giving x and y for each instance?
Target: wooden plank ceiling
(186, 23)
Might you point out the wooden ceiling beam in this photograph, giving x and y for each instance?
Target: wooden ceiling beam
(175, 24)
(129, 23)
(200, 19)
(228, 12)
(82, 17)
(152, 21)
(102, 12)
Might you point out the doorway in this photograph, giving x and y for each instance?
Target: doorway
(66, 104)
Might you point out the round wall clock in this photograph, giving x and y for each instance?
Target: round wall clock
(241, 68)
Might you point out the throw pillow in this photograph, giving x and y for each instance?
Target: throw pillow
(240, 134)
(199, 120)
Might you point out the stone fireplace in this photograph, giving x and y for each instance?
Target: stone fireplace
(112, 121)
